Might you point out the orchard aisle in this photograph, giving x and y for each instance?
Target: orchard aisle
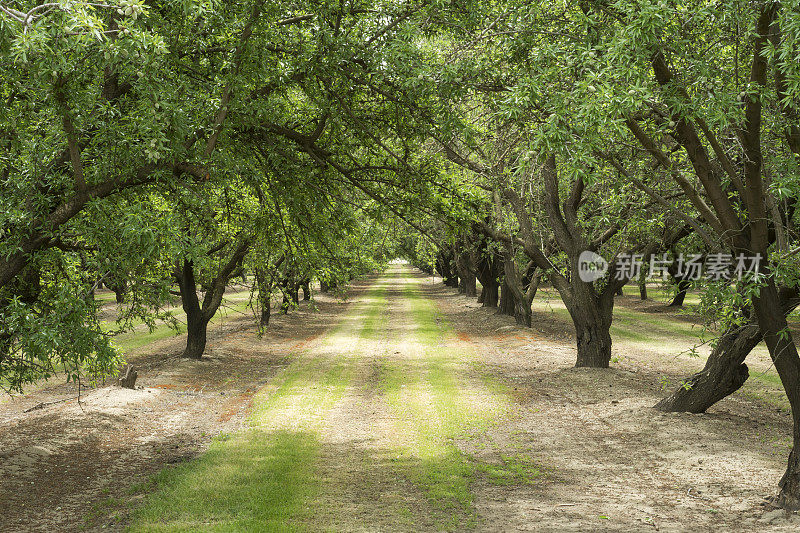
(418, 412)
(380, 425)
(410, 408)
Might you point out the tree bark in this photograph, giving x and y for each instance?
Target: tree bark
(490, 293)
(643, 285)
(444, 265)
(594, 342)
(470, 286)
(683, 285)
(591, 315)
(725, 371)
(507, 300)
(463, 270)
(723, 374)
(265, 314)
(197, 316)
(264, 283)
(488, 272)
(196, 334)
(782, 350)
(196, 321)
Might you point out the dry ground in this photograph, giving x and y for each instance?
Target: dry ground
(392, 435)
(73, 466)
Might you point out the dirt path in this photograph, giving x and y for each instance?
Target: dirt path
(420, 412)
(78, 467)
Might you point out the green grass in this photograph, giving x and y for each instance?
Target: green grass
(254, 481)
(263, 479)
(427, 393)
(268, 477)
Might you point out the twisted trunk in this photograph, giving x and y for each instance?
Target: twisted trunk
(197, 315)
(783, 352)
(723, 374)
(725, 371)
(196, 319)
(508, 302)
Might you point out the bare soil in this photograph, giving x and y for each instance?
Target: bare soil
(79, 465)
(616, 464)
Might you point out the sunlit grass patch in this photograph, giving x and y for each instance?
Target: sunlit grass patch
(254, 481)
(264, 479)
(429, 392)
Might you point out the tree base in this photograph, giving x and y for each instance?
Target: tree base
(789, 496)
(703, 390)
(127, 377)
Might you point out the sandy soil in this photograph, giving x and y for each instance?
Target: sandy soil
(615, 463)
(610, 462)
(72, 466)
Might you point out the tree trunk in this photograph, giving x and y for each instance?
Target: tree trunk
(725, 371)
(522, 313)
(782, 350)
(196, 334)
(683, 286)
(445, 268)
(723, 374)
(265, 284)
(265, 313)
(507, 300)
(489, 267)
(620, 292)
(491, 293)
(306, 289)
(119, 294)
(643, 285)
(117, 286)
(197, 316)
(592, 318)
(594, 345)
(482, 295)
(470, 286)
(196, 321)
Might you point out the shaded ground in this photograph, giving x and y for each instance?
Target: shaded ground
(409, 409)
(72, 467)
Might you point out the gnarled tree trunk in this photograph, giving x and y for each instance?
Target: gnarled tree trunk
(725, 371)
(507, 300)
(783, 352)
(196, 320)
(723, 374)
(197, 315)
(196, 334)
